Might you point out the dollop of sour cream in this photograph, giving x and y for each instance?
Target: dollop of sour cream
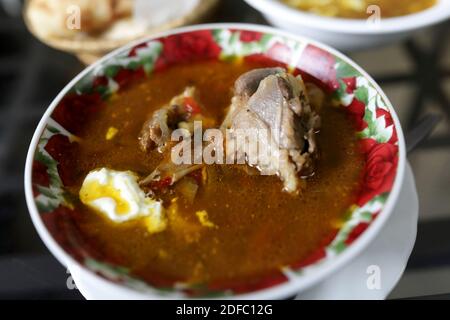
(117, 195)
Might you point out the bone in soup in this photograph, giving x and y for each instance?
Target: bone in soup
(218, 223)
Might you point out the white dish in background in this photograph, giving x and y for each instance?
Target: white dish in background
(349, 34)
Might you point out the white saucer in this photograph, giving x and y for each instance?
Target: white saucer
(390, 252)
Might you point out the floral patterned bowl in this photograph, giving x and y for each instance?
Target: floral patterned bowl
(378, 129)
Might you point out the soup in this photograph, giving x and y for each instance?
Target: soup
(357, 9)
(240, 225)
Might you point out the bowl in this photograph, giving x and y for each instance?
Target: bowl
(379, 132)
(349, 34)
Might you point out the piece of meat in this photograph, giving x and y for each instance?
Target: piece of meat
(248, 83)
(181, 111)
(244, 87)
(275, 101)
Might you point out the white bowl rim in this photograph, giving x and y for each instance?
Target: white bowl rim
(433, 15)
(283, 290)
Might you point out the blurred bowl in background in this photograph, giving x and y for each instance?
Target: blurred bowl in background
(110, 34)
(350, 34)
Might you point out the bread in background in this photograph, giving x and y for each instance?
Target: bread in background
(55, 17)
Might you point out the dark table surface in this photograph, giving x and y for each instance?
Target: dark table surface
(31, 76)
